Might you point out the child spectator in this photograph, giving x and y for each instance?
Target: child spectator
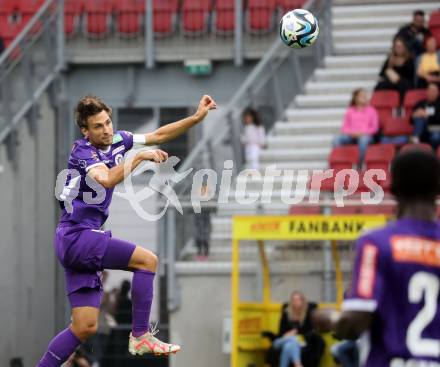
(253, 138)
(428, 70)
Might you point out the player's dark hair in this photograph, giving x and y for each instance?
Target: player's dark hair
(89, 106)
(254, 114)
(418, 12)
(415, 176)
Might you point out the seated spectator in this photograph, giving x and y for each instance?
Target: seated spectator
(253, 138)
(398, 70)
(426, 117)
(297, 342)
(361, 122)
(428, 70)
(415, 33)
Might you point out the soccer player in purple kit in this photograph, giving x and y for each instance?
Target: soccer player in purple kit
(84, 249)
(394, 295)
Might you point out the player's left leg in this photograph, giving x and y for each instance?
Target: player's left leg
(121, 255)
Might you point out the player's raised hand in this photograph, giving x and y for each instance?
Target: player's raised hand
(154, 155)
(205, 105)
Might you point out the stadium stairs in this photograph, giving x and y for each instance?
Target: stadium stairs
(362, 33)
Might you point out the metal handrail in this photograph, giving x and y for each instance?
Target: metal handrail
(277, 52)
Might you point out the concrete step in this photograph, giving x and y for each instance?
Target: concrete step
(329, 88)
(346, 74)
(295, 179)
(370, 22)
(310, 127)
(232, 208)
(354, 61)
(292, 155)
(300, 141)
(382, 9)
(322, 100)
(363, 35)
(310, 165)
(315, 114)
(367, 47)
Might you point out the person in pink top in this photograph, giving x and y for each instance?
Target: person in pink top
(361, 122)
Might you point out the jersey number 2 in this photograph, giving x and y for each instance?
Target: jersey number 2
(427, 286)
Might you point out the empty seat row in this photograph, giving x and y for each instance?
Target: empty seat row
(434, 26)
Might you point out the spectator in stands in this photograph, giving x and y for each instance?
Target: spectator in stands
(428, 70)
(297, 340)
(202, 222)
(398, 70)
(361, 122)
(253, 138)
(415, 33)
(426, 117)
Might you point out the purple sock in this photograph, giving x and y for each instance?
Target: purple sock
(60, 348)
(141, 298)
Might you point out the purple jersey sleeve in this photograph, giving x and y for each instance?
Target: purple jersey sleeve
(127, 138)
(85, 157)
(367, 278)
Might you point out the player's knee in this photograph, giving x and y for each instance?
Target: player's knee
(87, 329)
(148, 262)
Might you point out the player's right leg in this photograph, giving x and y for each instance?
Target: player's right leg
(143, 263)
(84, 325)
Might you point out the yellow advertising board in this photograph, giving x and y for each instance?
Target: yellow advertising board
(306, 227)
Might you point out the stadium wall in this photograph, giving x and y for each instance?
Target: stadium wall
(27, 264)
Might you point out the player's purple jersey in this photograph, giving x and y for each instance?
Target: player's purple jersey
(397, 276)
(84, 201)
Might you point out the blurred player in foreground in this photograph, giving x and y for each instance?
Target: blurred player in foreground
(396, 278)
(84, 249)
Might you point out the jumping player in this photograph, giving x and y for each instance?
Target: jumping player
(84, 249)
(396, 279)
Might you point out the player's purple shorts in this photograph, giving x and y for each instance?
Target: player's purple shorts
(84, 253)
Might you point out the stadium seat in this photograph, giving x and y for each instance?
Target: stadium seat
(436, 34)
(97, 18)
(224, 17)
(397, 126)
(287, 5)
(419, 146)
(346, 209)
(412, 97)
(195, 16)
(27, 9)
(379, 156)
(260, 16)
(72, 14)
(164, 16)
(389, 209)
(129, 17)
(385, 102)
(434, 20)
(304, 210)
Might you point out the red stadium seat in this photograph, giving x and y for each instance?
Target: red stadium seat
(385, 102)
(346, 210)
(397, 126)
(72, 14)
(379, 156)
(164, 16)
(419, 146)
(304, 210)
(224, 17)
(388, 210)
(412, 97)
(129, 16)
(260, 16)
(98, 17)
(287, 5)
(434, 20)
(436, 35)
(195, 16)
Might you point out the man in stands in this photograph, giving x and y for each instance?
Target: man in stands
(395, 286)
(426, 117)
(415, 33)
(84, 250)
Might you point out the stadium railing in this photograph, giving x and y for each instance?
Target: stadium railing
(28, 67)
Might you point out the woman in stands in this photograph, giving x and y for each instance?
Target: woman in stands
(253, 138)
(297, 341)
(361, 123)
(398, 70)
(428, 70)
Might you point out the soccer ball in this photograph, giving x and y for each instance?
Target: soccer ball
(299, 28)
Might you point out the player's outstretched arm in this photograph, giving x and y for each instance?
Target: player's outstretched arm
(173, 130)
(109, 178)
